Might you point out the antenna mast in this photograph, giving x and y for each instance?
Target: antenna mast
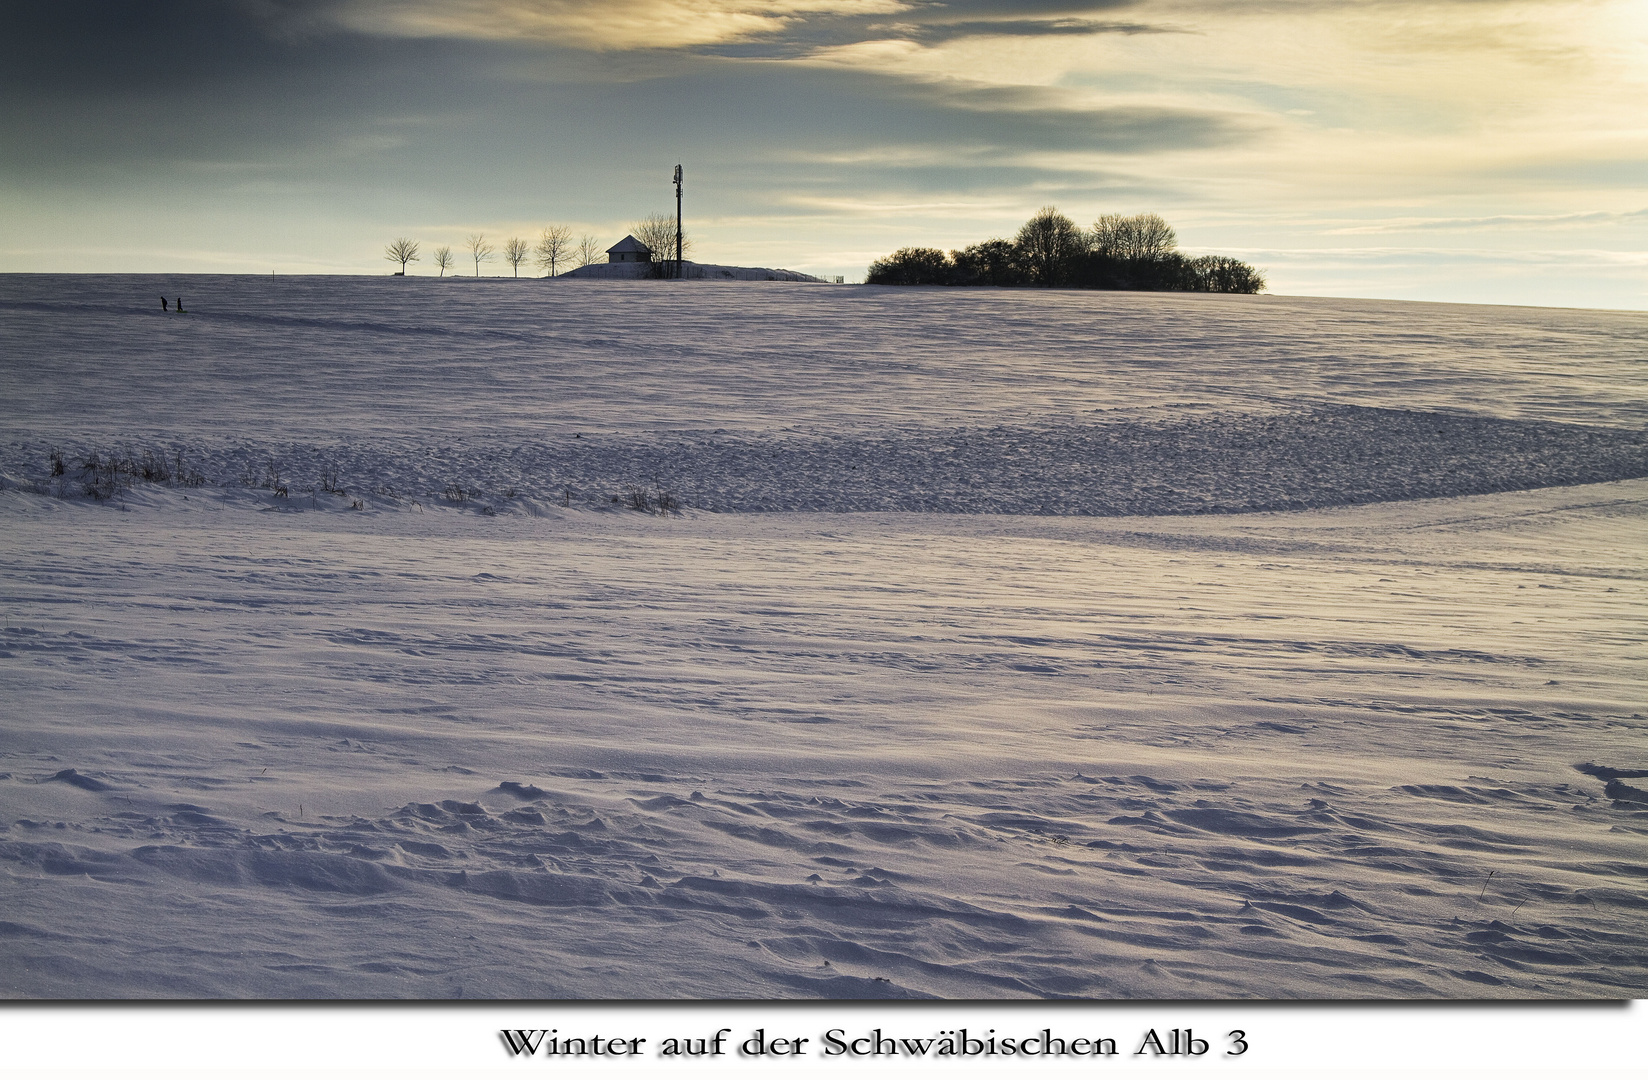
(678, 221)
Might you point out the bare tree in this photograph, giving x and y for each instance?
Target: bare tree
(402, 251)
(480, 249)
(588, 250)
(554, 246)
(657, 231)
(515, 253)
(1140, 238)
(1153, 238)
(1109, 236)
(443, 258)
(1049, 244)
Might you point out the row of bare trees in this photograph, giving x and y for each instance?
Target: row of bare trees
(554, 248)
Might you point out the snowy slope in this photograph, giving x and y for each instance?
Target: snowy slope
(739, 397)
(1061, 723)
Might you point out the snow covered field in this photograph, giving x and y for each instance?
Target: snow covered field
(1174, 646)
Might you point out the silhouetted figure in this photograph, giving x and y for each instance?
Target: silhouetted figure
(180, 305)
(163, 306)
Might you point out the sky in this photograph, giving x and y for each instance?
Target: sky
(1484, 151)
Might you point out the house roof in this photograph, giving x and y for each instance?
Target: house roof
(627, 244)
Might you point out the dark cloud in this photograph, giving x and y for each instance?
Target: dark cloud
(934, 23)
(85, 49)
(1035, 28)
(946, 21)
(1031, 118)
(799, 44)
(92, 47)
(94, 90)
(92, 86)
(798, 189)
(971, 10)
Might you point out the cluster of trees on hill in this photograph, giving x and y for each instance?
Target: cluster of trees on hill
(554, 250)
(1118, 252)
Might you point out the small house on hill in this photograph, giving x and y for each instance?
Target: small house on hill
(629, 250)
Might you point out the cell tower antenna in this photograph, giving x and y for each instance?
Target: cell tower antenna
(678, 221)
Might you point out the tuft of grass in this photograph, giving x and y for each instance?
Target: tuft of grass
(105, 475)
(654, 500)
(154, 468)
(186, 475)
(100, 476)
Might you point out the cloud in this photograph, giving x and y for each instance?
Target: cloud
(744, 28)
(942, 31)
(1497, 222)
(612, 25)
(1420, 256)
(1288, 122)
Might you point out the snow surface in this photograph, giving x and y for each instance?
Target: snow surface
(1045, 715)
(689, 270)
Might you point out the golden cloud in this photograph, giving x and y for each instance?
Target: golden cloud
(609, 26)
